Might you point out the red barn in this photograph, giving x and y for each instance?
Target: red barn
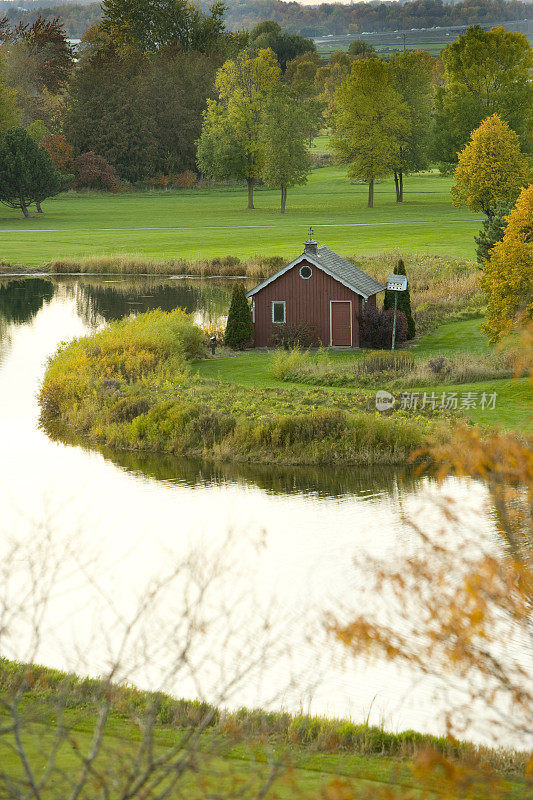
(320, 288)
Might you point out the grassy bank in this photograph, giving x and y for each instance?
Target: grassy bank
(130, 386)
(56, 709)
(202, 224)
(473, 368)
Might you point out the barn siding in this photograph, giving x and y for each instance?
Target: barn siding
(307, 301)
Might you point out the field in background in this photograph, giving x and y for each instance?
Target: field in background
(431, 39)
(214, 222)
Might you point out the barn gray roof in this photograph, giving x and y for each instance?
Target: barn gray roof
(333, 264)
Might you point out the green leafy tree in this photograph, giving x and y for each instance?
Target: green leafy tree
(370, 123)
(360, 49)
(9, 112)
(491, 231)
(286, 157)
(485, 72)
(412, 76)
(142, 115)
(150, 26)
(404, 300)
(286, 46)
(239, 327)
(231, 144)
(38, 130)
(27, 175)
(491, 169)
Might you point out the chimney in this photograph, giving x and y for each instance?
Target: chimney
(311, 247)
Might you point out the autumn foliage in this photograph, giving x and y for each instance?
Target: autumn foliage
(508, 274)
(491, 168)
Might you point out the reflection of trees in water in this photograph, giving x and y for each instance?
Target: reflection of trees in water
(21, 299)
(321, 481)
(97, 300)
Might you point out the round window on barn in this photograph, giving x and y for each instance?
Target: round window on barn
(306, 272)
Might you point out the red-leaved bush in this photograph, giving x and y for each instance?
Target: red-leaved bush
(92, 171)
(376, 328)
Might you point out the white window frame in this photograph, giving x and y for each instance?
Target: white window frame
(284, 320)
(331, 323)
(306, 277)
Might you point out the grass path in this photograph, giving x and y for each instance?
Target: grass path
(207, 223)
(514, 402)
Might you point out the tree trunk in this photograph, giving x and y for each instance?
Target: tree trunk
(24, 208)
(401, 187)
(371, 194)
(38, 205)
(397, 187)
(250, 182)
(283, 198)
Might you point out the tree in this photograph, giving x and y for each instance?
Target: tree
(239, 327)
(491, 232)
(231, 144)
(404, 301)
(491, 169)
(370, 123)
(143, 115)
(412, 78)
(9, 112)
(49, 50)
(149, 26)
(60, 151)
(507, 276)
(286, 158)
(360, 49)
(28, 174)
(486, 72)
(38, 130)
(286, 46)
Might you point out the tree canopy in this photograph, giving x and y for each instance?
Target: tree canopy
(485, 72)
(507, 277)
(491, 169)
(286, 160)
(370, 123)
(231, 143)
(150, 25)
(286, 46)
(412, 77)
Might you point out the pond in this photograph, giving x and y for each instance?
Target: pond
(272, 544)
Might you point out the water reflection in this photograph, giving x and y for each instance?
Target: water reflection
(322, 482)
(21, 299)
(101, 300)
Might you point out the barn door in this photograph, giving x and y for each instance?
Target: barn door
(341, 323)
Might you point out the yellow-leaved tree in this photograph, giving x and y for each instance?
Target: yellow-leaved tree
(491, 168)
(508, 273)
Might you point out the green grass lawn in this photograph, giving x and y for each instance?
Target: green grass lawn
(310, 772)
(514, 403)
(207, 223)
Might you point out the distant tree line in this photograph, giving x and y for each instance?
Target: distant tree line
(307, 20)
